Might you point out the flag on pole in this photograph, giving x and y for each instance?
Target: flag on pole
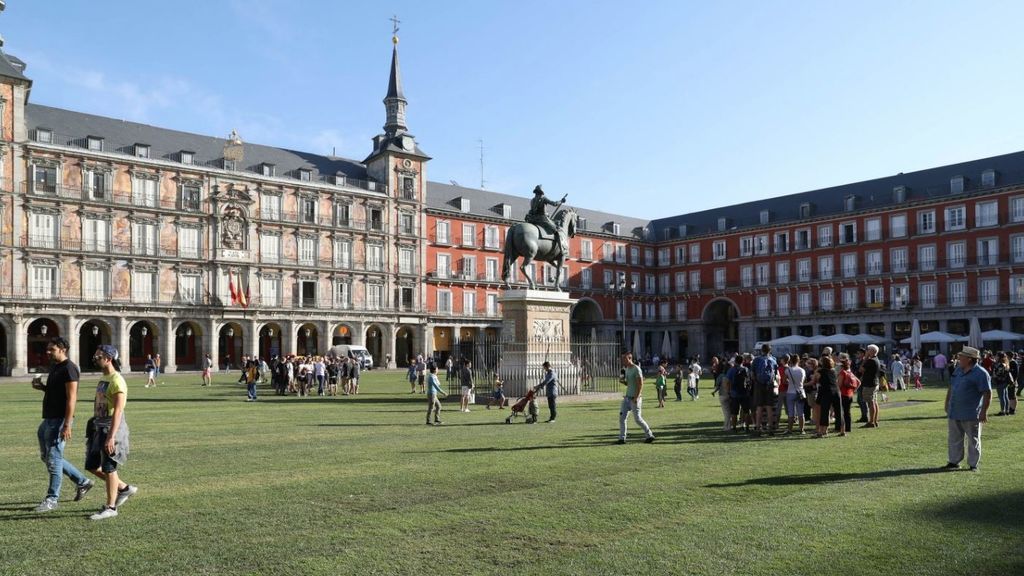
(243, 298)
(231, 289)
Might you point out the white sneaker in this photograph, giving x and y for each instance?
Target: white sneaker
(47, 505)
(124, 495)
(104, 514)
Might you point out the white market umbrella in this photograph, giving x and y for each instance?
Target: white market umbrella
(791, 340)
(833, 339)
(936, 337)
(1000, 335)
(868, 339)
(915, 336)
(666, 346)
(974, 337)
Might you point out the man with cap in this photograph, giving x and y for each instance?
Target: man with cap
(538, 215)
(967, 400)
(550, 385)
(108, 444)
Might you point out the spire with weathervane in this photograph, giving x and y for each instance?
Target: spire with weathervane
(395, 101)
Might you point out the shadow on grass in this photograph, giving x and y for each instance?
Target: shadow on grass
(829, 477)
(565, 446)
(994, 508)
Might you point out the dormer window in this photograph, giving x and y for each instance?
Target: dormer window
(267, 169)
(464, 204)
(44, 135)
(505, 209)
(616, 229)
(186, 157)
(229, 164)
(94, 143)
(683, 230)
(988, 178)
(956, 185)
(850, 203)
(305, 174)
(142, 150)
(724, 224)
(339, 178)
(766, 216)
(899, 194)
(581, 222)
(806, 210)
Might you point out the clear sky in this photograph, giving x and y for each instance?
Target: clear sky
(644, 108)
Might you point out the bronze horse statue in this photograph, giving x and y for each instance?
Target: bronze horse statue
(525, 240)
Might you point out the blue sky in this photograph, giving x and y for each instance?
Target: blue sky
(639, 108)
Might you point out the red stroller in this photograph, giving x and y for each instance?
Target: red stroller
(527, 404)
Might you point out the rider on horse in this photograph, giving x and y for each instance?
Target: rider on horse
(538, 215)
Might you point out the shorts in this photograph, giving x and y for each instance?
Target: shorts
(465, 391)
(499, 395)
(736, 403)
(421, 379)
(206, 372)
(867, 393)
(764, 395)
(96, 457)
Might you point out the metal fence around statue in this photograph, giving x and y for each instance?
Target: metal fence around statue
(582, 368)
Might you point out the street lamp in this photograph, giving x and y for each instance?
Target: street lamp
(144, 331)
(42, 330)
(95, 330)
(230, 332)
(620, 289)
(270, 332)
(308, 332)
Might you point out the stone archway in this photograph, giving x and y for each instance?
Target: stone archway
(143, 342)
(405, 345)
(375, 343)
(91, 335)
(307, 340)
(270, 341)
(231, 344)
(39, 333)
(721, 328)
(188, 346)
(584, 319)
(342, 334)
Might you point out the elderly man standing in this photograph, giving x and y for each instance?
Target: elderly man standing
(967, 400)
(870, 370)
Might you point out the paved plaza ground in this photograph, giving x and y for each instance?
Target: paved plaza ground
(359, 485)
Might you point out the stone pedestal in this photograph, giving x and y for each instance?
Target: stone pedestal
(536, 329)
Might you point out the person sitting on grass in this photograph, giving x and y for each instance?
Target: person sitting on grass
(499, 395)
(433, 391)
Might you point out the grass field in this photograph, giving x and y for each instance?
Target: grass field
(359, 485)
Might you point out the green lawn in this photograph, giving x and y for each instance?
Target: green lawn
(359, 485)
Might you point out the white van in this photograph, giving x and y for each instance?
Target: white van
(352, 351)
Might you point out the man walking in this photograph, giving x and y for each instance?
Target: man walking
(632, 402)
(550, 385)
(967, 400)
(60, 393)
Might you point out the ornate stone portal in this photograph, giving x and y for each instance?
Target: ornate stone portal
(536, 329)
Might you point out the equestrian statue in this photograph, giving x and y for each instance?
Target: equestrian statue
(541, 237)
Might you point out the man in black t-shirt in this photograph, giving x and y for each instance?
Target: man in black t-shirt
(870, 370)
(60, 393)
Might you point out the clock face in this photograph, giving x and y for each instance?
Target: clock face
(407, 143)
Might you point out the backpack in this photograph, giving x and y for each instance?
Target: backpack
(742, 382)
(763, 371)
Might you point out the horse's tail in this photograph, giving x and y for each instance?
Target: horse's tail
(510, 255)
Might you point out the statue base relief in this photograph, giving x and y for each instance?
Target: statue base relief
(536, 329)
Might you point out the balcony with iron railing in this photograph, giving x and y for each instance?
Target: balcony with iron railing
(128, 151)
(115, 197)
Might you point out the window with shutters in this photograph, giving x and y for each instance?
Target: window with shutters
(189, 288)
(720, 277)
(444, 265)
(188, 242)
(825, 268)
(825, 236)
(491, 237)
(270, 248)
(469, 303)
(928, 294)
(956, 218)
(307, 210)
(956, 293)
(375, 257)
(782, 272)
(144, 239)
(718, 250)
(342, 294)
(681, 310)
(143, 286)
(956, 254)
(270, 291)
(491, 270)
(43, 281)
(680, 281)
(95, 286)
(406, 259)
(469, 235)
(144, 190)
(898, 226)
(986, 214)
(95, 234)
(442, 234)
(898, 260)
(782, 304)
(343, 254)
(374, 296)
(191, 196)
(270, 207)
(826, 300)
(586, 279)
(988, 291)
(307, 251)
(342, 214)
(694, 253)
(43, 233)
(926, 258)
(444, 301)
(695, 280)
(586, 250)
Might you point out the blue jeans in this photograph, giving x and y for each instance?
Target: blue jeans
(1004, 399)
(320, 384)
(51, 452)
(251, 390)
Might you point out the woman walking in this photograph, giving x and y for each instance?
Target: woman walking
(108, 444)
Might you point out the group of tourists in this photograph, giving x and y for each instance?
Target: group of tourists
(298, 375)
(106, 432)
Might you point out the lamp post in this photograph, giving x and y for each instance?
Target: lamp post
(620, 289)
